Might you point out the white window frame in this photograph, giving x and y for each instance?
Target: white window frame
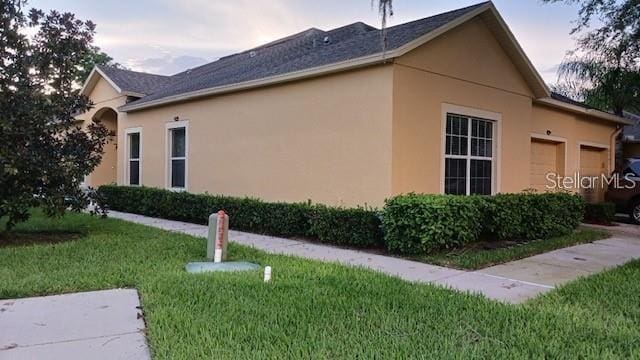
(127, 153)
(168, 139)
(496, 119)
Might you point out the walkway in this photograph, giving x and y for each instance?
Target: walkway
(90, 325)
(512, 282)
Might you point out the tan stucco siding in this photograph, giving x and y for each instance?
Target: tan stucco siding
(104, 97)
(326, 139)
(465, 67)
(575, 130)
(471, 53)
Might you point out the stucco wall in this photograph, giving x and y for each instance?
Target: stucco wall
(466, 67)
(327, 139)
(575, 129)
(104, 97)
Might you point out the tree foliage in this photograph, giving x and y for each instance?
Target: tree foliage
(604, 69)
(94, 56)
(385, 9)
(44, 154)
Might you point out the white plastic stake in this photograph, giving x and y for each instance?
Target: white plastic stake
(267, 273)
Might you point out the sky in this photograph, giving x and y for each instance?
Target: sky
(169, 36)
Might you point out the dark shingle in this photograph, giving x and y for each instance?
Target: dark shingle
(308, 49)
(135, 81)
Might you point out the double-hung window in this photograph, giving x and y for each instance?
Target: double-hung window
(469, 155)
(133, 148)
(177, 162)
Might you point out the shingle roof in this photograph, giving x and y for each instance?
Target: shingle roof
(134, 81)
(305, 50)
(569, 100)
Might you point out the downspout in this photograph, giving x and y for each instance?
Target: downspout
(613, 148)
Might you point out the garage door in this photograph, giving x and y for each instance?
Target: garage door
(593, 164)
(544, 160)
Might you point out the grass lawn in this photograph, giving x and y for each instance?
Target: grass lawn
(313, 309)
(482, 255)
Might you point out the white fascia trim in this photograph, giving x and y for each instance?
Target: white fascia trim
(296, 75)
(584, 111)
(317, 71)
(351, 64)
(91, 80)
(519, 50)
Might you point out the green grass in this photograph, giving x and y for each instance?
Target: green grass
(478, 257)
(317, 310)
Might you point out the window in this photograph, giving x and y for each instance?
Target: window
(468, 155)
(133, 148)
(177, 165)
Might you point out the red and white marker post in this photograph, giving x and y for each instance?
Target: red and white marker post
(218, 237)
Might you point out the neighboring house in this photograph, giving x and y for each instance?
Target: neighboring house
(452, 105)
(631, 137)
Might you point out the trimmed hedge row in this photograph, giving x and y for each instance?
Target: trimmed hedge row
(601, 213)
(426, 223)
(343, 226)
(412, 223)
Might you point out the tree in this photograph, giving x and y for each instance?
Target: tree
(385, 8)
(604, 69)
(93, 57)
(44, 155)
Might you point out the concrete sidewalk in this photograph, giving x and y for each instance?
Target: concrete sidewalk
(90, 325)
(512, 282)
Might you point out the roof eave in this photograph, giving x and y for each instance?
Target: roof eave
(272, 80)
(538, 86)
(583, 111)
(92, 79)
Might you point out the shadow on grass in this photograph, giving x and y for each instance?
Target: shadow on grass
(27, 238)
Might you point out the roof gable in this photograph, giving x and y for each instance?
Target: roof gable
(126, 82)
(309, 53)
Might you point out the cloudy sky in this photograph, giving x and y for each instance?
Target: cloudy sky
(168, 36)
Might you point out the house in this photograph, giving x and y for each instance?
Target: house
(631, 137)
(452, 105)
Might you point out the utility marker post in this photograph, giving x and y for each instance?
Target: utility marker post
(218, 237)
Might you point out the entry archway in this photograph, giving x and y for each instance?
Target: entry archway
(106, 172)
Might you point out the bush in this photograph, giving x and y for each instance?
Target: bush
(423, 224)
(427, 223)
(601, 213)
(528, 216)
(342, 226)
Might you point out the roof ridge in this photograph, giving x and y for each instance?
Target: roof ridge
(111, 67)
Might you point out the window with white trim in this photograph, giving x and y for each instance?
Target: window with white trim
(469, 155)
(133, 158)
(177, 157)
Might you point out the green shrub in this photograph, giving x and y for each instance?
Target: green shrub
(352, 227)
(343, 226)
(423, 224)
(528, 216)
(601, 213)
